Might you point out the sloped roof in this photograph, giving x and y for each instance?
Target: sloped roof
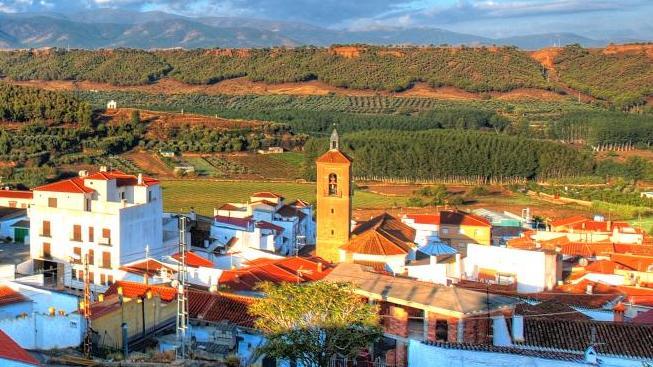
(435, 247)
(461, 218)
(267, 194)
(76, 184)
(73, 185)
(290, 269)
(425, 294)
(299, 203)
(9, 296)
(334, 156)
(542, 354)
(433, 219)
(16, 194)
(134, 290)
(551, 309)
(611, 338)
(267, 225)
(288, 211)
(381, 235)
(568, 221)
(636, 262)
(194, 260)
(238, 222)
(10, 350)
(149, 266)
(603, 267)
(217, 307)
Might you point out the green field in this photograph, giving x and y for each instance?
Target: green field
(202, 167)
(204, 195)
(645, 222)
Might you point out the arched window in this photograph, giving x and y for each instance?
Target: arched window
(333, 184)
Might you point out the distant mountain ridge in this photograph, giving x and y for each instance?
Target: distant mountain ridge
(111, 28)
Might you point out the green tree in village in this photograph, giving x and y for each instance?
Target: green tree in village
(310, 323)
(135, 118)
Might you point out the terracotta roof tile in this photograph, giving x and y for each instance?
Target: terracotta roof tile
(77, 185)
(290, 269)
(288, 211)
(149, 266)
(73, 185)
(10, 350)
(551, 309)
(382, 235)
(16, 194)
(267, 194)
(462, 218)
(611, 338)
(134, 290)
(334, 156)
(645, 318)
(542, 354)
(424, 218)
(9, 296)
(234, 221)
(267, 225)
(220, 307)
(636, 262)
(194, 260)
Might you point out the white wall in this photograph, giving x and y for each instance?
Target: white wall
(423, 355)
(39, 331)
(530, 268)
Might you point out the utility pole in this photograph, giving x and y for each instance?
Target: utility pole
(182, 302)
(87, 309)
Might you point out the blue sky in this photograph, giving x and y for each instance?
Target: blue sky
(497, 18)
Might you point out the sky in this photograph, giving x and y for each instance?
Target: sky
(496, 18)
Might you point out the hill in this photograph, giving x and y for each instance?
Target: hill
(110, 28)
(612, 75)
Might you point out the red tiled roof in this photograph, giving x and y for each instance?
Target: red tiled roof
(299, 203)
(150, 266)
(229, 207)
(568, 221)
(288, 211)
(267, 225)
(425, 218)
(645, 250)
(194, 260)
(334, 156)
(16, 194)
(382, 235)
(602, 267)
(377, 266)
(239, 222)
(134, 290)
(267, 194)
(10, 350)
(290, 269)
(551, 309)
(76, 184)
(9, 296)
(220, 307)
(73, 185)
(636, 262)
(266, 202)
(462, 218)
(610, 338)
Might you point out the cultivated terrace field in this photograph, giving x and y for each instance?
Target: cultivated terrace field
(620, 79)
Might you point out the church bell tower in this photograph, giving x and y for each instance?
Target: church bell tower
(334, 193)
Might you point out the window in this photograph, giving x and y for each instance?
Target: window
(74, 274)
(150, 196)
(332, 211)
(91, 277)
(12, 204)
(122, 195)
(106, 236)
(80, 275)
(332, 232)
(45, 228)
(91, 234)
(445, 230)
(46, 249)
(106, 260)
(91, 257)
(103, 279)
(333, 184)
(110, 280)
(441, 330)
(52, 202)
(77, 251)
(77, 233)
(87, 205)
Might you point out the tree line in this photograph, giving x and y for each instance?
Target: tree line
(433, 154)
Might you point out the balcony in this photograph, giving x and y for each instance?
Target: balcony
(76, 239)
(45, 234)
(105, 241)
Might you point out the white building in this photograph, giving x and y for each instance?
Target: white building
(15, 198)
(112, 105)
(531, 271)
(266, 222)
(109, 217)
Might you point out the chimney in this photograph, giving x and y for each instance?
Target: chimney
(140, 178)
(618, 312)
(319, 267)
(589, 289)
(609, 225)
(518, 328)
(83, 173)
(103, 169)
